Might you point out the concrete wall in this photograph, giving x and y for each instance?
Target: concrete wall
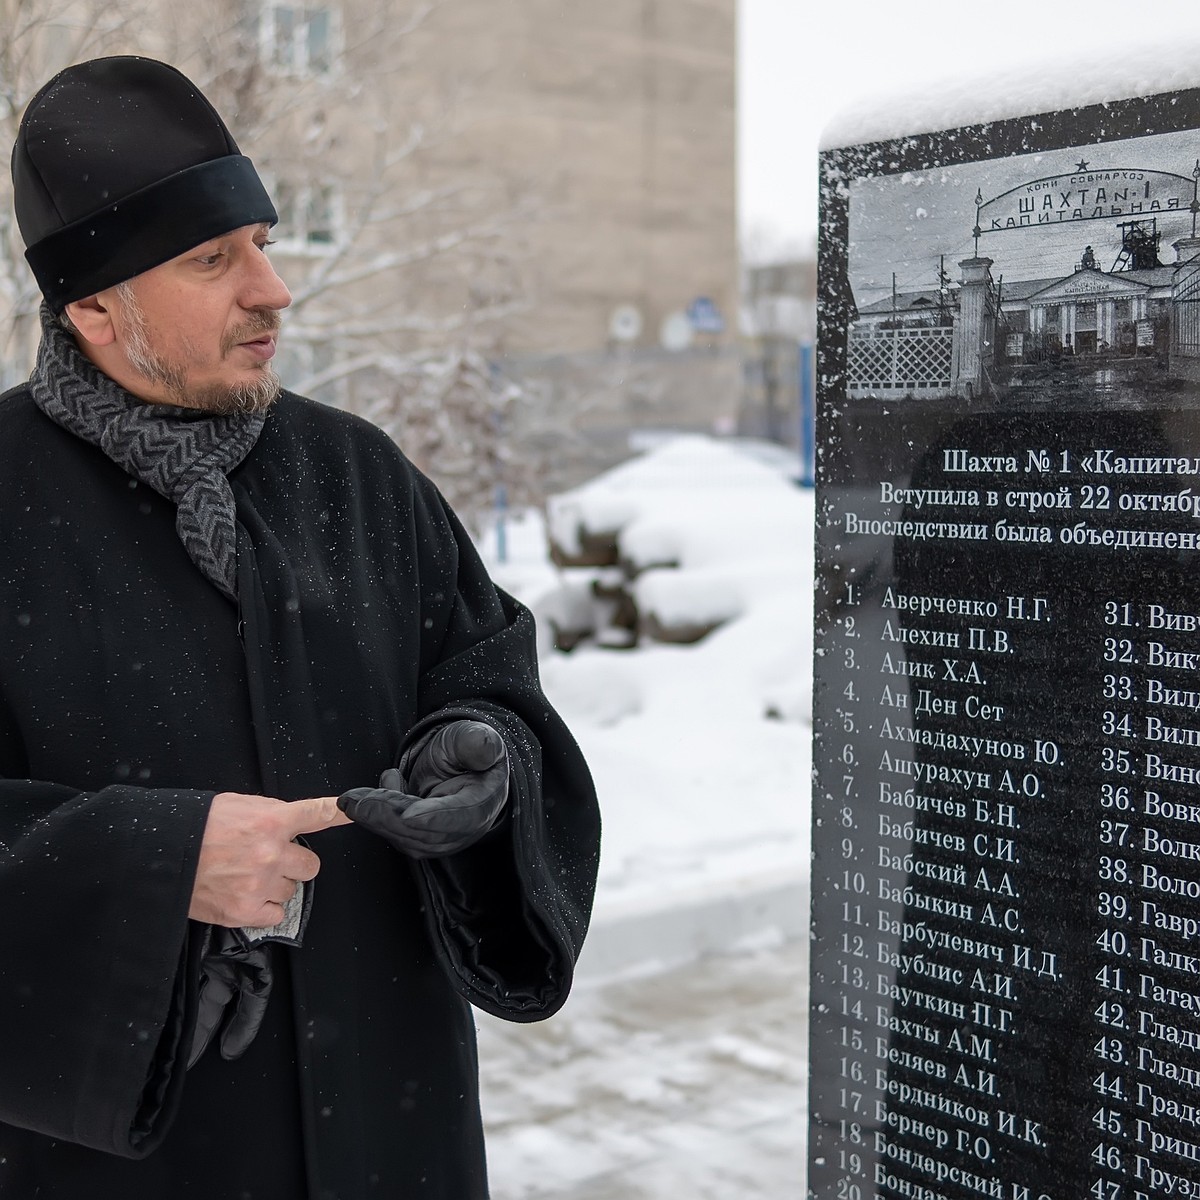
(617, 121)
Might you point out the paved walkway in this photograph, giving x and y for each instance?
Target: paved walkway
(688, 1083)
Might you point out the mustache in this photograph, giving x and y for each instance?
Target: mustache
(262, 320)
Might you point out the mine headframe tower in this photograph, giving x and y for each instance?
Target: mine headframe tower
(1139, 245)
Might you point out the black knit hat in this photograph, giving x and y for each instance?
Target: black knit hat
(121, 164)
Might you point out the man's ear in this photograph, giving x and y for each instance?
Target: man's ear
(92, 319)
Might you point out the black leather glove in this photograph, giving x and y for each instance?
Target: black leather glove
(446, 793)
(235, 985)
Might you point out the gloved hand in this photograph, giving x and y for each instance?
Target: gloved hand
(235, 985)
(446, 793)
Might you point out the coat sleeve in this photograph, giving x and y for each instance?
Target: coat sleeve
(95, 958)
(509, 914)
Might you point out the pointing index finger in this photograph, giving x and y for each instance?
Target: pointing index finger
(311, 816)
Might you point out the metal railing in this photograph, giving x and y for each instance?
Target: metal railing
(899, 361)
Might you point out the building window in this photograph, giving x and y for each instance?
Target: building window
(298, 39)
(309, 217)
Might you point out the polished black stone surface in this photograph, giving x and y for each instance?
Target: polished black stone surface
(1006, 879)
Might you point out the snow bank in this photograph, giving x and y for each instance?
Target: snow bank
(723, 515)
(703, 597)
(692, 500)
(701, 753)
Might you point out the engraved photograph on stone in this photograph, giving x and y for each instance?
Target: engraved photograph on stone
(1058, 276)
(1005, 966)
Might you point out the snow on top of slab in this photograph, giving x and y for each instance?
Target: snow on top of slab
(1038, 85)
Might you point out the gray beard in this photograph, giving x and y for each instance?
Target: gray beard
(246, 398)
(254, 397)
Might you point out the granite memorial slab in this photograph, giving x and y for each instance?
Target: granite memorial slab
(1005, 996)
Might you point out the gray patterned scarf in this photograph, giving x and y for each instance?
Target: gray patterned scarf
(183, 454)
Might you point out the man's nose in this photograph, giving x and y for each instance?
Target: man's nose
(263, 288)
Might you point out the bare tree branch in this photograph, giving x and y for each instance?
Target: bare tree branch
(402, 316)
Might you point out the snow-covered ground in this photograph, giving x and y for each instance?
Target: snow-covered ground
(669, 1073)
(686, 1083)
(701, 753)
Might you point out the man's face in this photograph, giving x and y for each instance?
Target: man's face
(200, 330)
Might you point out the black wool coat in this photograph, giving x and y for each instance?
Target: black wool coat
(132, 691)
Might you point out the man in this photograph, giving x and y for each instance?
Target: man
(221, 607)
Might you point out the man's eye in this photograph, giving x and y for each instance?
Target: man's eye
(208, 260)
(268, 242)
